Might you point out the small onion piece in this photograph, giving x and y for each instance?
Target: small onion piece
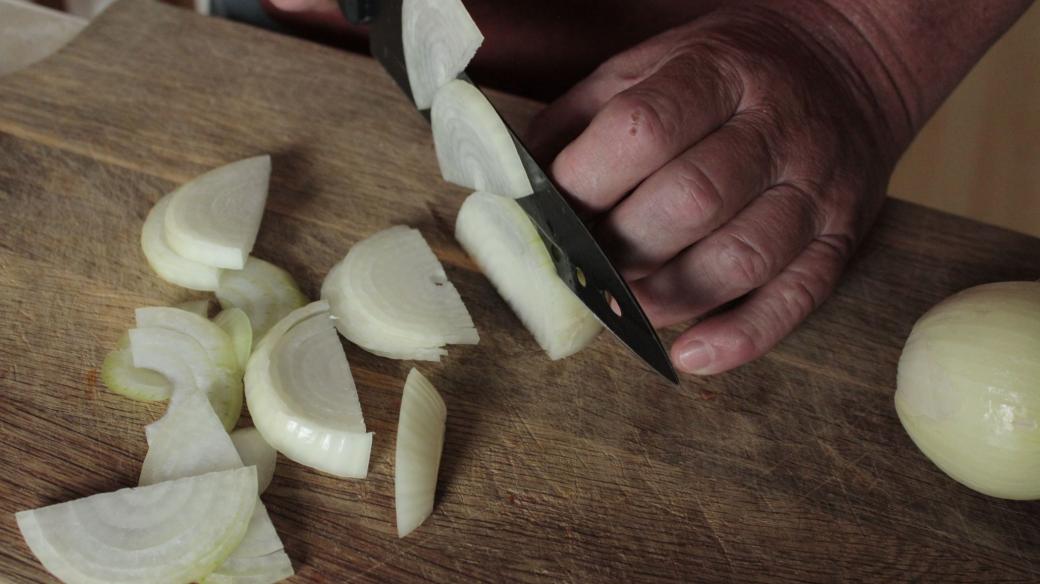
(214, 218)
(501, 239)
(417, 458)
(439, 39)
(255, 451)
(120, 376)
(474, 147)
(175, 531)
(199, 307)
(391, 297)
(168, 264)
(265, 292)
(302, 397)
(236, 324)
(213, 339)
(259, 559)
(968, 388)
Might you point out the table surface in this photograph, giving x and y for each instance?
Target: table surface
(794, 467)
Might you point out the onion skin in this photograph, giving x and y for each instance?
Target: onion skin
(968, 388)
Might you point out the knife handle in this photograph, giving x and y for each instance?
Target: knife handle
(358, 11)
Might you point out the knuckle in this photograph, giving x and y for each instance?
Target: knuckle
(744, 264)
(742, 345)
(698, 199)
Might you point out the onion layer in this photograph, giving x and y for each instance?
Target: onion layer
(439, 39)
(420, 440)
(263, 291)
(255, 451)
(235, 323)
(119, 375)
(168, 264)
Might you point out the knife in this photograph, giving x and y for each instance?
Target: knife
(579, 260)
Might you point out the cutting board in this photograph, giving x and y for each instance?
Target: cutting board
(588, 469)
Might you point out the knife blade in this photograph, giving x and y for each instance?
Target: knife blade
(579, 260)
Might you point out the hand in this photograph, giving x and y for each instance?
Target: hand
(732, 157)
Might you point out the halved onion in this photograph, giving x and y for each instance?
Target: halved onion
(213, 339)
(417, 458)
(119, 375)
(199, 307)
(474, 148)
(214, 218)
(439, 38)
(302, 397)
(236, 324)
(501, 239)
(175, 531)
(391, 297)
(263, 291)
(255, 451)
(168, 264)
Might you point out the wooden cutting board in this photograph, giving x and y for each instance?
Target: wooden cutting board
(590, 469)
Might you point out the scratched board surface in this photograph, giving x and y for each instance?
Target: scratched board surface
(590, 469)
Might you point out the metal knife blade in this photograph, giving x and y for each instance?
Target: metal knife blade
(579, 260)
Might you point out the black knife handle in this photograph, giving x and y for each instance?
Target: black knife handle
(359, 11)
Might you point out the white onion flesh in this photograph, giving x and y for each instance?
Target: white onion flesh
(265, 292)
(214, 218)
(439, 39)
(420, 440)
(120, 376)
(255, 451)
(213, 339)
(259, 559)
(391, 297)
(969, 388)
(302, 397)
(172, 532)
(474, 148)
(168, 264)
(501, 239)
(236, 324)
(199, 307)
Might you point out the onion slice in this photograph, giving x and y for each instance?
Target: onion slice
(474, 147)
(439, 39)
(213, 339)
(255, 451)
(119, 375)
(263, 291)
(501, 239)
(391, 297)
(175, 531)
(235, 323)
(302, 397)
(168, 264)
(199, 307)
(259, 559)
(417, 458)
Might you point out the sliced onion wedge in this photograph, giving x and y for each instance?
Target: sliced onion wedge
(302, 397)
(214, 218)
(259, 559)
(236, 324)
(119, 375)
(420, 439)
(474, 148)
(175, 531)
(199, 307)
(168, 264)
(263, 291)
(391, 297)
(255, 451)
(439, 38)
(501, 239)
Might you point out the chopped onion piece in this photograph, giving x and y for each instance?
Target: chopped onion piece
(255, 451)
(474, 148)
(302, 396)
(175, 531)
(263, 291)
(236, 324)
(420, 439)
(199, 307)
(501, 239)
(119, 375)
(439, 39)
(168, 264)
(259, 559)
(213, 339)
(214, 218)
(391, 297)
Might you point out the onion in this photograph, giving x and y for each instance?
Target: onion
(474, 147)
(420, 439)
(500, 238)
(214, 218)
(168, 264)
(439, 39)
(235, 323)
(199, 307)
(259, 559)
(213, 339)
(119, 375)
(302, 397)
(969, 388)
(391, 297)
(255, 451)
(263, 291)
(175, 531)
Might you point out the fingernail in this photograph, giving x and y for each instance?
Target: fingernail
(695, 357)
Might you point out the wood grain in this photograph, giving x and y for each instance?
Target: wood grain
(590, 469)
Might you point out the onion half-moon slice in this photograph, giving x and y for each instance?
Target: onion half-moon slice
(168, 264)
(420, 440)
(120, 376)
(255, 451)
(439, 39)
(263, 291)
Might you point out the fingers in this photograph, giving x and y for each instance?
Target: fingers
(689, 197)
(743, 255)
(642, 128)
(768, 315)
